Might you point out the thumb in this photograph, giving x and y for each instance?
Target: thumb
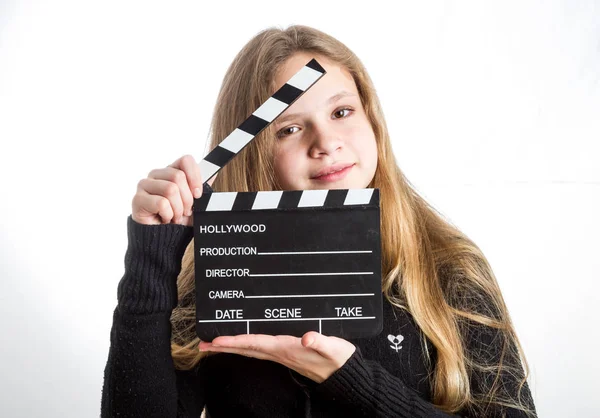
(320, 343)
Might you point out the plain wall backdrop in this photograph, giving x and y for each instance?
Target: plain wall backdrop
(493, 107)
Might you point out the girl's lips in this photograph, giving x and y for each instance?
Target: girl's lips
(338, 175)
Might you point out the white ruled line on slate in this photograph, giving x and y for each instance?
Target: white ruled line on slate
(352, 273)
(315, 252)
(308, 296)
(286, 319)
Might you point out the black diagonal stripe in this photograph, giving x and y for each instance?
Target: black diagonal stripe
(289, 199)
(315, 66)
(201, 204)
(335, 198)
(244, 201)
(219, 156)
(375, 198)
(253, 125)
(287, 94)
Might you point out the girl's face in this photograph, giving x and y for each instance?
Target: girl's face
(324, 139)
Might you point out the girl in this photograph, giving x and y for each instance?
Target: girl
(448, 347)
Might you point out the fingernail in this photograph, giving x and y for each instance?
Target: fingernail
(197, 193)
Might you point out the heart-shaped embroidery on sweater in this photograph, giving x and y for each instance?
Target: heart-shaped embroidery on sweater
(395, 339)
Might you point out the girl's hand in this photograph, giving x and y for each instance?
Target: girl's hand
(167, 194)
(315, 356)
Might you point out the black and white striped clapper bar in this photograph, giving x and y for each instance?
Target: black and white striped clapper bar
(288, 262)
(261, 118)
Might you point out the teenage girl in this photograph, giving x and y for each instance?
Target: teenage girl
(448, 346)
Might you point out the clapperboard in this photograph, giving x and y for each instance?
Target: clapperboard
(285, 262)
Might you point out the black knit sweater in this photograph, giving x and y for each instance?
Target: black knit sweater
(386, 376)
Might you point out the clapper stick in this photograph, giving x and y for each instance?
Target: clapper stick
(261, 118)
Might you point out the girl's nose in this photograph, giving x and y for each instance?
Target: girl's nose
(324, 142)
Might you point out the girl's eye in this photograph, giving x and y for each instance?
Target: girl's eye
(337, 112)
(286, 131)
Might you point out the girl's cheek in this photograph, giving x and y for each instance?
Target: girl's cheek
(286, 156)
(282, 167)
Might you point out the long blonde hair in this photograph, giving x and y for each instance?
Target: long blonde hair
(430, 268)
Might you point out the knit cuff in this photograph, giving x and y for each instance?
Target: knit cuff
(152, 264)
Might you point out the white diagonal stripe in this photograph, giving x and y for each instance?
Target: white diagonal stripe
(208, 169)
(221, 201)
(270, 109)
(236, 140)
(267, 200)
(358, 197)
(312, 198)
(304, 78)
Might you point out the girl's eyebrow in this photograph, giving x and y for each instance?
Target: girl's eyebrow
(332, 99)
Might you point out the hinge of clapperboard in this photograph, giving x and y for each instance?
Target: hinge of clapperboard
(260, 119)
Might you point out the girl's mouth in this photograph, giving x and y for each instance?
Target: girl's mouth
(335, 175)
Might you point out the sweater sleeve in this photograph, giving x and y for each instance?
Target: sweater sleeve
(363, 388)
(139, 378)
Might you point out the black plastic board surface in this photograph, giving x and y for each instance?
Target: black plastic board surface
(288, 262)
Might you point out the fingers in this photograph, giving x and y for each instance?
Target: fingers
(188, 165)
(167, 194)
(162, 197)
(172, 184)
(308, 340)
(261, 355)
(265, 347)
(333, 348)
(246, 341)
(151, 209)
(256, 342)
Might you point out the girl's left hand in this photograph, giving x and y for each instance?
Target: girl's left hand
(315, 356)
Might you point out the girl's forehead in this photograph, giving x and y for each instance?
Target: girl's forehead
(300, 59)
(336, 84)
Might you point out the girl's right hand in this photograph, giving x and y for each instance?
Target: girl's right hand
(167, 194)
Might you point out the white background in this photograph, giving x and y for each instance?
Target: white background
(493, 107)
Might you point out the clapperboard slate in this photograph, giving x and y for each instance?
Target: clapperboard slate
(285, 262)
(288, 262)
